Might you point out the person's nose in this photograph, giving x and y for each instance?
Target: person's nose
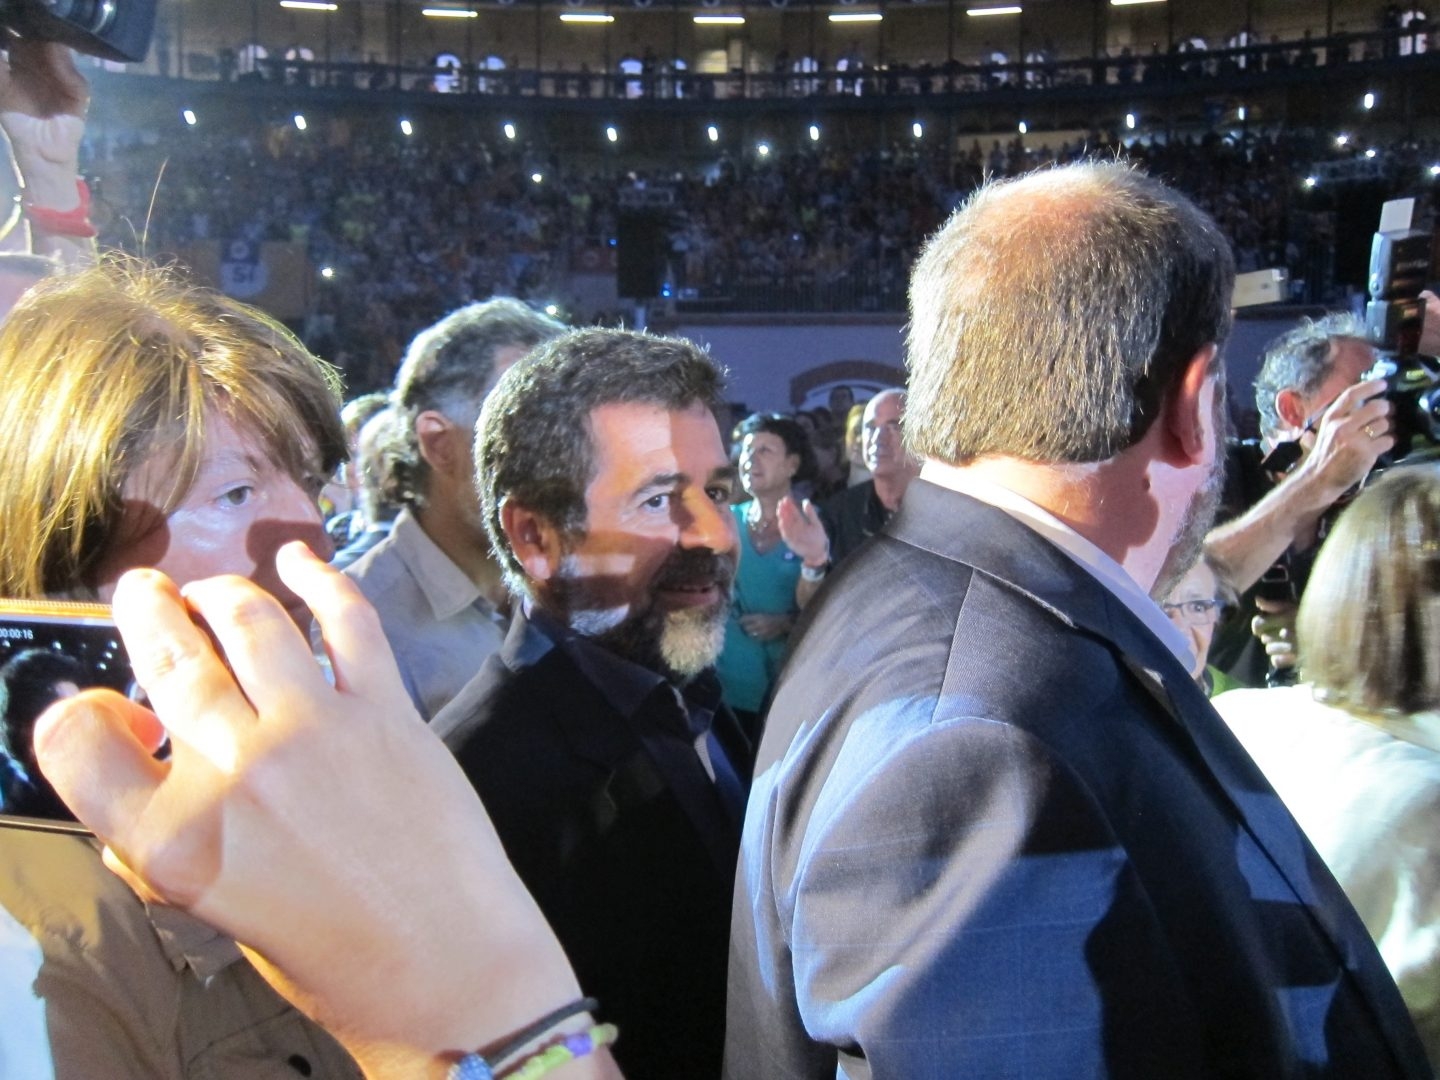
(296, 514)
(708, 524)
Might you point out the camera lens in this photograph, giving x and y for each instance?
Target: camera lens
(92, 16)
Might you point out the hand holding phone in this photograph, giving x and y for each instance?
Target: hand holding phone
(326, 828)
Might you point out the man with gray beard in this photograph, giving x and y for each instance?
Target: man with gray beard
(596, 737)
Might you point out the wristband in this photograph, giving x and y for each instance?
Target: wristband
(814, 573)
(476, 1066)
(564, 1050)
(74, 222)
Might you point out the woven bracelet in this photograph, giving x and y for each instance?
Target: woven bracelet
(562, 1050)
(478, 1066)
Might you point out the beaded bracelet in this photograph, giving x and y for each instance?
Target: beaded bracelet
(567, 1049)
(478, 1066)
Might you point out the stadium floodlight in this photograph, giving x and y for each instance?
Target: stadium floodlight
(855, 16)
(712, 133)
(536, 178)
(917, 129)
(309, 5)
(719, 20)
(449, 13)
(1368, 101)
(509, 130)
(1310, 181)
(586, 17)
(189, 117)
(1005, 9)
(1130, 121)
(406, 128)
(763, 149)
(300, 122)
(814, 132)
(1133, 3)
(1024, 127)
(612, 133)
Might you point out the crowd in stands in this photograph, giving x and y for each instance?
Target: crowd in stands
(812, 230)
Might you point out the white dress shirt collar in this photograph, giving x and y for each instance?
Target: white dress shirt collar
(1095, 562)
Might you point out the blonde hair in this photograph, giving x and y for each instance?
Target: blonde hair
(108, 366)
(1369, 622)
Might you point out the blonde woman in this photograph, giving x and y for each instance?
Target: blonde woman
(1354, 751)
(153, 425)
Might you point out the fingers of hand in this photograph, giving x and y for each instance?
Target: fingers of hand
(1281, 654)
(269, 656)
(189, 687)
(359, 653)
(96, 748)
(1355, 397)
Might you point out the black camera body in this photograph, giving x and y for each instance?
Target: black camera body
(1394, 318)
(117, 30)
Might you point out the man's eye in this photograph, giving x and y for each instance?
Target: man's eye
(658, 502)
(719, 494)
(238, 495)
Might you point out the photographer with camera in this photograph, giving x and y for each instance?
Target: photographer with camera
(1322, 431)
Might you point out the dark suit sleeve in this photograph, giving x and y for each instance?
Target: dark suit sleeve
(1012, 937)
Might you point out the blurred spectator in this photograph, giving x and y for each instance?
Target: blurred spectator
(783, 558)
(859, 512)
(371, 465)
(1195, 604)
(1354, 751)
(855, 446)
(433, 579)
(344, 520)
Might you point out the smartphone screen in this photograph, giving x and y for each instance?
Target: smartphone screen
(49, 650)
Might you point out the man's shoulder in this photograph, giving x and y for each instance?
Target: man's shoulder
(383, 569)
(955, 625)
(514, 702)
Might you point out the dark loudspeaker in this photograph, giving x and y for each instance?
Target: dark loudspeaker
(638, 240)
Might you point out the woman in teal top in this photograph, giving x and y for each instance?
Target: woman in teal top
(783, 558)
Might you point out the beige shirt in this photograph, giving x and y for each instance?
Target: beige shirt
(438, 623)
(137, 993)
(1367, 794)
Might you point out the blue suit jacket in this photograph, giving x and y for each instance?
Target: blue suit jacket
(997, 831)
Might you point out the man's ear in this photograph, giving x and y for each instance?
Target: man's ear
(438, 441)
(1290, 407)
(1190, 408)
(534, 540)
